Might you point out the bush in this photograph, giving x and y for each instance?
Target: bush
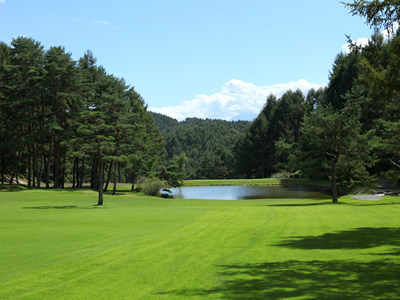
(281, 174)
(152, 186)
(296, 174)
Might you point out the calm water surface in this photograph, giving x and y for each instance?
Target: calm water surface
(243, 192)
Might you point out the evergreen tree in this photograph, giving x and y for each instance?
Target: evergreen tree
(377, 13)
(23, 92)
(343, 76)
(59, 106)
(334, 145)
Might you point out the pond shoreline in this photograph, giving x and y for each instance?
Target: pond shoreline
(258, 182)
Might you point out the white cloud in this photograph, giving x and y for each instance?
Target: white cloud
(2, 1)
(359, 42)
(364, 41)
(387, 33)
(237, 98)
(102, 22)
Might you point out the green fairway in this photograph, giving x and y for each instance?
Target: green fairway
(59, 245)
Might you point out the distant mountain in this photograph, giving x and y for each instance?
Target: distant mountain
(245, 117)
(164, 122)
(241, 122)
(207, 143)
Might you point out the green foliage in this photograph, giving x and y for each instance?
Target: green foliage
(174, 174)
(207, 144)
(270, 141)
(62, 119)
(152, 186)
(282, 174)
(344, 74)
(335, 145)
(377, 13)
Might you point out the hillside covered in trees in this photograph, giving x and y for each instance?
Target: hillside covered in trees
(205, 145)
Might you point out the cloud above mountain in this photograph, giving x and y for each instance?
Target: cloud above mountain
(236, 100)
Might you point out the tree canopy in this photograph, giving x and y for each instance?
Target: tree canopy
(70, 121)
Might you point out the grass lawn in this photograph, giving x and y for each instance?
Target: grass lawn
(59, 245)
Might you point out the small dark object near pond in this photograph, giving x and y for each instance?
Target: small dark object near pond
(166, 193)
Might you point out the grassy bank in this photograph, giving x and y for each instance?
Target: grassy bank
(59, 245)
(262, 182)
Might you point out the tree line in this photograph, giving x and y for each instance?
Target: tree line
(70, 121)
(348, 132)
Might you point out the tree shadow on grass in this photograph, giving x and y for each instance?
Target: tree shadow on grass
(12, 188)
(63, 207)
(52, 207)
(358, 238)
(303, 204)
(372, 203)
(324, 202)
(315, 279)
(308, 279)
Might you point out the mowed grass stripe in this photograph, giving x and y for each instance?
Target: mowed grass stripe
(148, 248)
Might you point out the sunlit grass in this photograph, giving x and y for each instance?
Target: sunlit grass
(60, 245)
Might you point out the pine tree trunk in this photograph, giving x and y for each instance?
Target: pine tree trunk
(57, 161)
(82, 172)
(34, 166)
(100, 178)
(77, 173)
(108, 176)
(116, 163)
(2, 170)
(334, 183)
(48, 161)
(73, 173)
(94, 175)
(12, 173)
(63, 168)
(16, 167)
(42, 158)
(29, 167)
(133, 181)
(115, 179)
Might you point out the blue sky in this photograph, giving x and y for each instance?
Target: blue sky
(195, 58)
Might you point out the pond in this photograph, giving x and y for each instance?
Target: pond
(244, 192)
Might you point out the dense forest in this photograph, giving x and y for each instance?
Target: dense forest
(205, 145)
(70, 121)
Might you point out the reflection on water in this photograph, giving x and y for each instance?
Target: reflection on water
(242, 192)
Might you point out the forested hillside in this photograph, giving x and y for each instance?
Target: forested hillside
(207, 144)
(70, 121)
(348, 132)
